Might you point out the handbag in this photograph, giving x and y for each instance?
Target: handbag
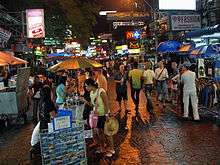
(93, 117)
(160, 74)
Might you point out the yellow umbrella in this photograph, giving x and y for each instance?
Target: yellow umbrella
(75, 63)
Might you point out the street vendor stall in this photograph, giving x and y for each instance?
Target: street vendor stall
(12, 96)
(207, 57)
(208, 89)
(64, 142)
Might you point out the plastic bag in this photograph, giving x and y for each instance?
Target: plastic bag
(93, 119)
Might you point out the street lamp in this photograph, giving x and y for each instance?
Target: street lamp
(103, 13)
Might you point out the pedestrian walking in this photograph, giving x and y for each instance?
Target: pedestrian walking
(188, 80)
(121, 79)
(161, 76)
(135, 76)
(148, 77)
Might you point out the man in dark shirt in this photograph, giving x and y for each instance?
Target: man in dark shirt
(47, 109)
(37, 85)
(121, 78)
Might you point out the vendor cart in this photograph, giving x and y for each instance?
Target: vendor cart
(13, 99)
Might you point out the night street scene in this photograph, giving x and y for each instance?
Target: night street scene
(110, 82)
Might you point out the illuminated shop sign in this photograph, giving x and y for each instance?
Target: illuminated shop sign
(35, 23)
(133, 51)
(133, 35)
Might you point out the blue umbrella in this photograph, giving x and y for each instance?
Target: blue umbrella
(196, 52)
(212, 50)
(168, 46)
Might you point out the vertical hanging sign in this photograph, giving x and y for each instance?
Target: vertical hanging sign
(35, 23)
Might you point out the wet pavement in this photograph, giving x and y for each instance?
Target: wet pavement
(168, 140)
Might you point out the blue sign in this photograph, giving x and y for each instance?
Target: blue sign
(63, 120)
(137, 34)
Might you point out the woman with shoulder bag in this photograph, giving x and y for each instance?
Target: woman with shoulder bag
(148, 77)
(161, 76)
(99, 101)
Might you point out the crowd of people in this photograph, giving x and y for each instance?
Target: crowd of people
(92, 88)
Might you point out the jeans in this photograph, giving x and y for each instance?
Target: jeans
(148, 92)
(162, 90)
(135, 96)
(192, 95)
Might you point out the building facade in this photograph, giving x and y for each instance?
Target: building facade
(210, 11)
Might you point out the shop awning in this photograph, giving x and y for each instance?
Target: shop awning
(204, 31)
(215, 35)
(10, 59)
(206, 51)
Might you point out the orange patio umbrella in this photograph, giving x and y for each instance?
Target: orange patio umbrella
(75, 63)
(11, 60)
(3, 62)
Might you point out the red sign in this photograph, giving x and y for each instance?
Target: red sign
(129, 35)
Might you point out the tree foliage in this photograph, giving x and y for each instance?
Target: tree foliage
(77, 15)
(81, 15)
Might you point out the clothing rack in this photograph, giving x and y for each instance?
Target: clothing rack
(208, 90)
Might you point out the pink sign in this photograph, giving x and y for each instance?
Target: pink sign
(35, 23)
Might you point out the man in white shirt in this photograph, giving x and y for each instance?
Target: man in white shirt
(188, 80)
(161, 76)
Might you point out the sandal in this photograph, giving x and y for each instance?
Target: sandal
(108, 154)
(112, 151)
(98, 152)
